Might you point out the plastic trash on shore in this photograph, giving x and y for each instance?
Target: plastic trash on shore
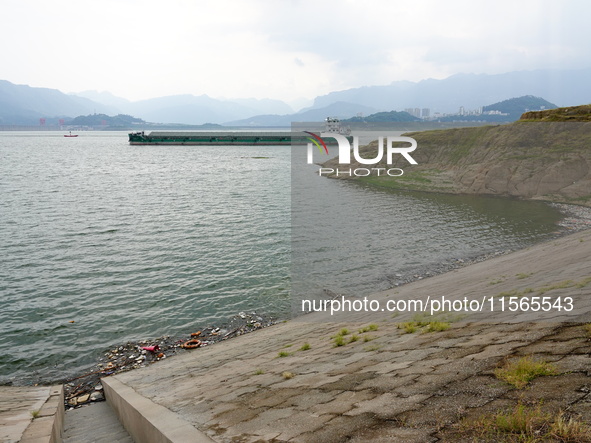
(151, 348)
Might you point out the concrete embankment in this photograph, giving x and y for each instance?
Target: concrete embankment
(370, 376)
(391, 376)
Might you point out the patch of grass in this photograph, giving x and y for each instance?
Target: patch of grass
(527, 424)
(565, 284)
(521, 276)
(288, 346)
(338, 341)
(520, 372)
(522, 420)
(287, 375)
(421, 319)
(259, 372)
(305, 347)
(372, 348)
(339, 338)
(283, 354)
(409, 327)
(437, 326)
(429, 323)
(587, 329)
(562, 285)
(35, 414)
(570, 430)
(370, 327)
(353, 338)
(367, 338)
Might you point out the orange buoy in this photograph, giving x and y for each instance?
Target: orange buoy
(196, 334)
(191, 344)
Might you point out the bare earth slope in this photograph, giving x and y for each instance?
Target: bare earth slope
(534, 158)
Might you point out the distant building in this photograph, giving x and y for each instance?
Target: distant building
(425, 113)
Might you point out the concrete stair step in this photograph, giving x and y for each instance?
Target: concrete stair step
(31, 414)
(94, 423)
(146, 421)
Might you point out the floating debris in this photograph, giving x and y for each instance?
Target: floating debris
(86, 388)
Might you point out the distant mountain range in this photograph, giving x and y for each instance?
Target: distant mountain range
(565, 88)
(339, 109)
(25, 105)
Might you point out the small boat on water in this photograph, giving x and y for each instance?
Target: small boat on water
(70, 135)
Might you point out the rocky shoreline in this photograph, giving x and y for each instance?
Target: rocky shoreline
(86, 388)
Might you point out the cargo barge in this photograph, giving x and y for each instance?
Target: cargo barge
(239, 138)
(216, 138)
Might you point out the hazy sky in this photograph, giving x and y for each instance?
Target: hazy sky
(279, 49)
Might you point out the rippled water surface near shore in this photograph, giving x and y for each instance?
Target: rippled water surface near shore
(102, 242)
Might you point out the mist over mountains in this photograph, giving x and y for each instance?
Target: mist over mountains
(25, 105)
(565, 88)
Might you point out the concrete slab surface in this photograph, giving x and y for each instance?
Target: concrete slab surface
(291, 382)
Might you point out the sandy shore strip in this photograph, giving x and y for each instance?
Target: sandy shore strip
(384, 376)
